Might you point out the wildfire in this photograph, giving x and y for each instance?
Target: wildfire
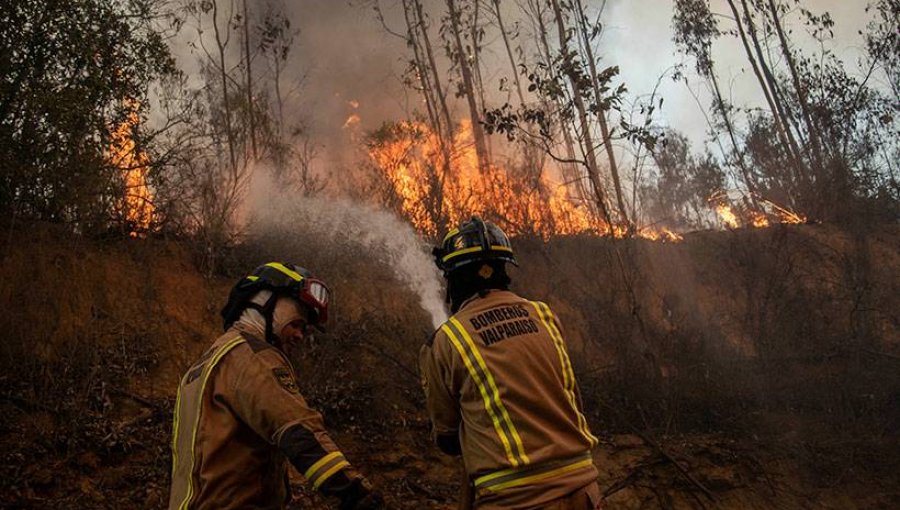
(758, 219)
(436, 185)
(662, 234)
(758, 216)
(137, 204)
(727, 215)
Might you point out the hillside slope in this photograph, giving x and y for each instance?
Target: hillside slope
(745, 369)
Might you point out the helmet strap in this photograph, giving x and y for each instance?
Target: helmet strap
(459, 289)
(267, 311)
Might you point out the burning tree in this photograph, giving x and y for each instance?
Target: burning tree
(408, 157)
(573, 107)
(568, 107)
(68, 69)
(136, 206)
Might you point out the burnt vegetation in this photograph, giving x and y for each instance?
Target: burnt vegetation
(731, 367)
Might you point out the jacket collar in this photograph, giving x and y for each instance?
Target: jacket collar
(475, 297)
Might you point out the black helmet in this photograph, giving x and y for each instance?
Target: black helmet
(282, 280)
(474, 240)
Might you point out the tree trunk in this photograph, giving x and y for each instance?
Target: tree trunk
(729, 127)
(780, 128)
(783, 110)
(435, 104)
(586, 136)
(251, 116)
(476, 56)
(509, 53)
(224, 77)
(476, 68)
(279, 99)
(814, 134)
(423, 72)
(429, 53)
(601, 115)
(468, 89)
(571, 171)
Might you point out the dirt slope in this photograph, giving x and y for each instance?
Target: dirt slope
(739, 370)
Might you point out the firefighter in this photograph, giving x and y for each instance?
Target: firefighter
(499, 385)
(239, 416)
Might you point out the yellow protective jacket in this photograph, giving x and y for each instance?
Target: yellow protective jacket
(239, 417)
(499, 386)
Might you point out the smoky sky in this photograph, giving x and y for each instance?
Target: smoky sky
(351, 64)
(638, 35)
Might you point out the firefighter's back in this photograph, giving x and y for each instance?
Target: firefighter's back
(524, 438)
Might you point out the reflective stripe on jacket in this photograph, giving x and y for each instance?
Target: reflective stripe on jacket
(238, 417)
(498, 377)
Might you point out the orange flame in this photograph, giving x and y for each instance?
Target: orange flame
(726, 214)
(137, 204)
(764, 215)
(431, 189)
(785, 215)
(758, 219)
(662, 234)
(436, 186)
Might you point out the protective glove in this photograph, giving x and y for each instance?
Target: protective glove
(360, 496)
(373, 501)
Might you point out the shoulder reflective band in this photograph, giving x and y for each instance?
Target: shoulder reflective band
(473, 249)
(499, 480)
(195, 398)
(566, 367)
(325, 468)
(487, 386)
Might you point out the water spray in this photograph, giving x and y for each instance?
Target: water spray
(363, 228)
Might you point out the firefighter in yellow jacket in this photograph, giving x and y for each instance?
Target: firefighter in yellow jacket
(499, 385)
(239, 415)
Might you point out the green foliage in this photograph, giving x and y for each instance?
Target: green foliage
(695, 29)
(553, 83)
(678, 195)
(68, 71)
(829, 135)
(883, 41)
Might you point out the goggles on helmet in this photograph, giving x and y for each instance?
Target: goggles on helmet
(283, 280)
(313, 293)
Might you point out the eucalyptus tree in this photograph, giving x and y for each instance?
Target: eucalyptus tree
(695, 30)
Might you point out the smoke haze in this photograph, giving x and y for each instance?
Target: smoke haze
(346, 55)
(345, 62)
